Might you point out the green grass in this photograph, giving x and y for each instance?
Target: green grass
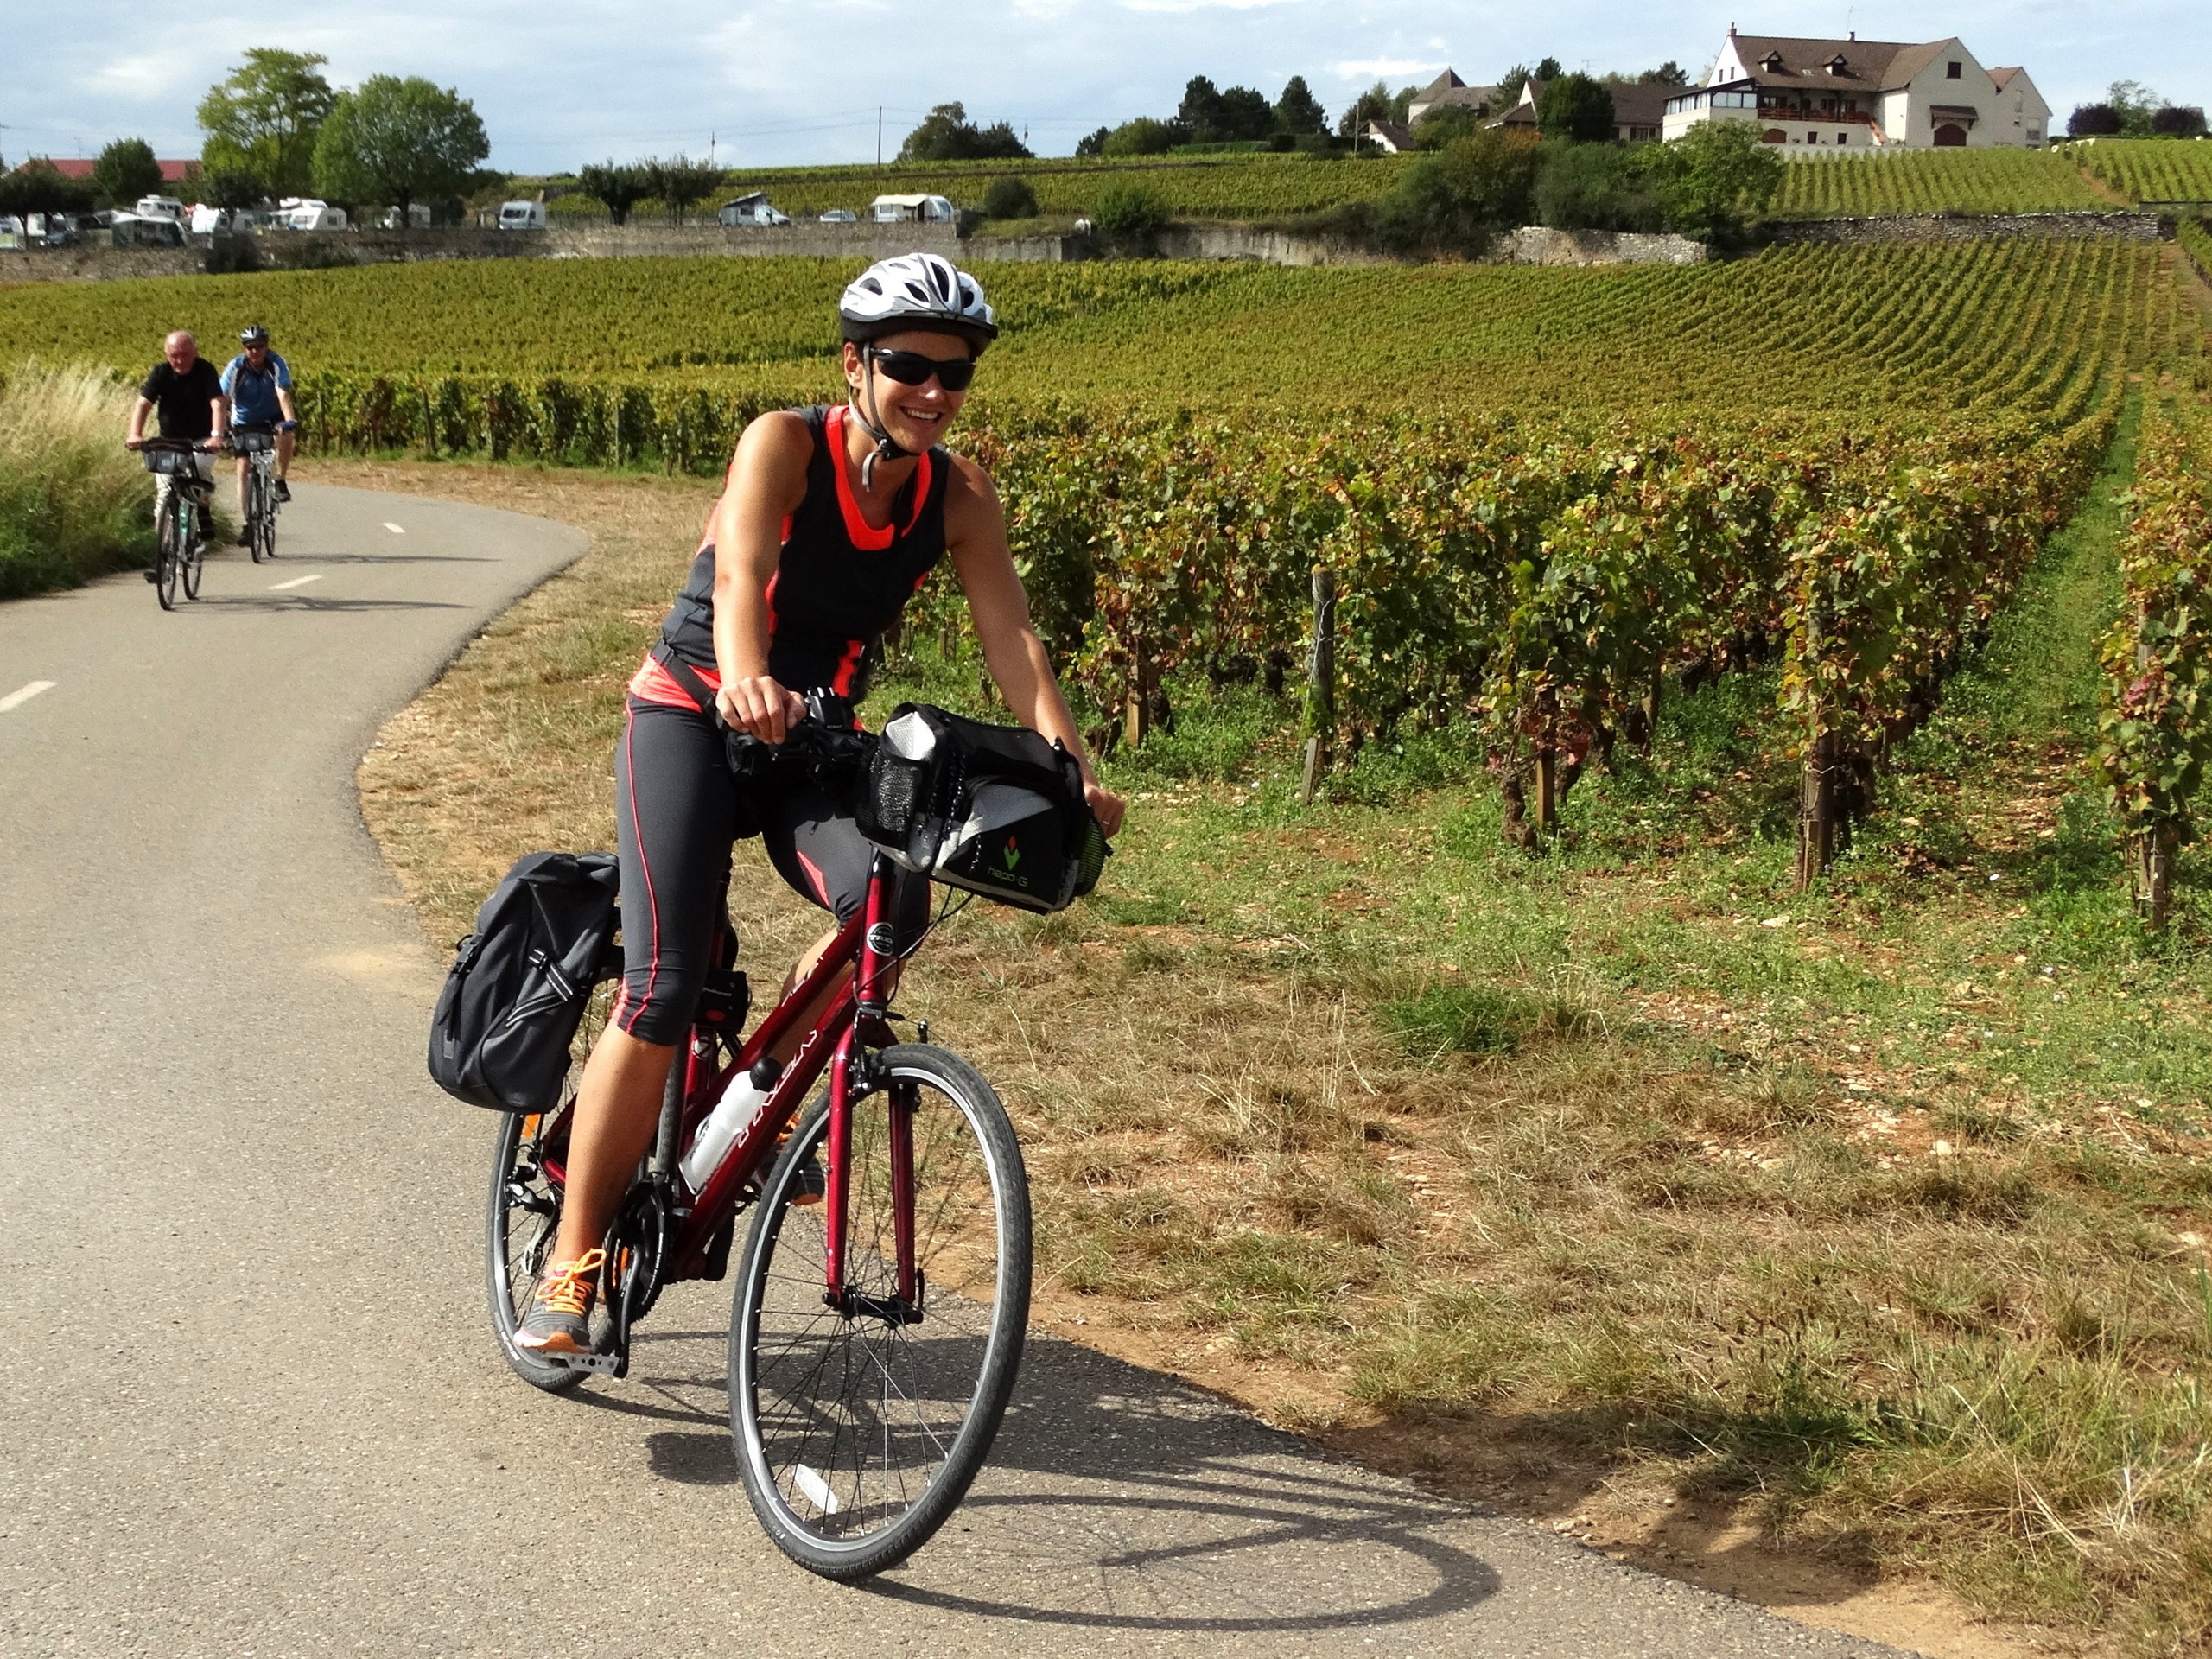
(73, 504)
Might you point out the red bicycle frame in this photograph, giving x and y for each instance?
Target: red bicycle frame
(864, 957)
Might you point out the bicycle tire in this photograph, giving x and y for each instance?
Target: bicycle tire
(165, 555)
(807, 1431)
(194, 562)
(524, 1212)
(265, 538)
(261, 540)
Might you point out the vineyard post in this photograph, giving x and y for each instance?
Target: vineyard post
(1817, 810)
(1547, 789)
(2155, 850)
(429, 427)
(1136, 708)
(1321, 684)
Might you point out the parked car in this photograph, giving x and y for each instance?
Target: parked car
(418, 217)
(307, 213)
(160, 207)
(11, 230)
(754, 209)
(522, 215)
(893, 210)
(841, 216)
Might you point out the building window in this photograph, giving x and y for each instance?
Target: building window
(1772, 136)
(1843, 137)
(1953, 70)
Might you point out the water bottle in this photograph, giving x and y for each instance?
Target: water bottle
(734, 1114)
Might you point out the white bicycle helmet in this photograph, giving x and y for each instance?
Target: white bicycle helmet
(916, 290)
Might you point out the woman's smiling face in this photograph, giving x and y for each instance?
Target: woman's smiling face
(916, 416)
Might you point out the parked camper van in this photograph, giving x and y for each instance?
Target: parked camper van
(160, 207)
(893, 210)
(522, 215)
(753, 209)
(418, 217)
(307, 213)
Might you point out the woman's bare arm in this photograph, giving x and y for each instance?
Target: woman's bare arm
(767, 480)
(974, 529)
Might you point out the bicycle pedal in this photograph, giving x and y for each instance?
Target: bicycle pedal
(603, 1364)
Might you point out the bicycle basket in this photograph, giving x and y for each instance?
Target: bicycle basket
(248, 442)
(995, 809)
(170, 463)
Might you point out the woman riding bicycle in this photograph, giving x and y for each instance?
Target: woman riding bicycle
(829, 520)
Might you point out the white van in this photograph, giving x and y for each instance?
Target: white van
(418, 217)
(751, 210)
(160, 207)
(522, 215)
(307, 213)
(894, 210)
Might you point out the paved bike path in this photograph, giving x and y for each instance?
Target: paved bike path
(249, 1403)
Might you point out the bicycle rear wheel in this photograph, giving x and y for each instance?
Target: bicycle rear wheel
(261, 540)
(166, 531)
(525, 1210)
(858, 1430)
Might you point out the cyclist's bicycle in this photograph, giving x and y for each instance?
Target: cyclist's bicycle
(179, 493)
(257, 444)
(883, 1289)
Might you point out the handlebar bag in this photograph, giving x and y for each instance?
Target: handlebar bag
(995, 809)
(500, 1034)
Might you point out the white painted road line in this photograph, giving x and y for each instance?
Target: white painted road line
(296, 581)
(23, 695)
(396, 530)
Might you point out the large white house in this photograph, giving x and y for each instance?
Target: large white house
(1833, 98)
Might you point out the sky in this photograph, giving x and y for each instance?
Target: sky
(562, 82)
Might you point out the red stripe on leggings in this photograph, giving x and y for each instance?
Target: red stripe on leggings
(637, 829)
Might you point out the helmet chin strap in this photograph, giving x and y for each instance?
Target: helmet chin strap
(886, 447)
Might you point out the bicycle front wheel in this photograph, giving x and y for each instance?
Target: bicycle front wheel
(190, 562)
(167, 531)
(860, 1422)
(262, 540)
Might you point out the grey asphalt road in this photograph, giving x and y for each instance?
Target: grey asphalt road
(251, 1404)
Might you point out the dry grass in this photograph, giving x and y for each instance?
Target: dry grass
(73, 504)
(1573, 1184)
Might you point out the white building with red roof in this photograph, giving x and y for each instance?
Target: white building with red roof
(1832, 98)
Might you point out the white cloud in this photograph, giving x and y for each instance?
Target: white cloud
(1387, 68)
(1201, 5)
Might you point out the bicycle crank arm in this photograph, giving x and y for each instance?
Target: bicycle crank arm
(601, 1364)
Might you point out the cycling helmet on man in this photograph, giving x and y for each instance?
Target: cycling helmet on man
(253, 334)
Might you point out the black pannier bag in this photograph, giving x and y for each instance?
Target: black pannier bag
(519, 983)
(995, 809)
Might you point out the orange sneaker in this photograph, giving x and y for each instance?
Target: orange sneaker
(559, 1321)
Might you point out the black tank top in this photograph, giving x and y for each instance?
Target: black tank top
(839, 583)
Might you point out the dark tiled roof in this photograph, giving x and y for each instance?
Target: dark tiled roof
(1638, 104)
(1868, 65)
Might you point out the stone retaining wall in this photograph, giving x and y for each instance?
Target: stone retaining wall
(1970, 227)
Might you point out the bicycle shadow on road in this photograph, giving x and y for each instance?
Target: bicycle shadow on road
(1116, 1498)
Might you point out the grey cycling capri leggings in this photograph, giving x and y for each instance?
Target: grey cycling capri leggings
(675, 815)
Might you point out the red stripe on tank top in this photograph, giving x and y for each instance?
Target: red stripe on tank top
(848, 667)
(858, 530)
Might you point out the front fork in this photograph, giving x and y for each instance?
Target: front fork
(879, 962)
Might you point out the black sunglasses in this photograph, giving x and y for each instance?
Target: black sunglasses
(914, 368)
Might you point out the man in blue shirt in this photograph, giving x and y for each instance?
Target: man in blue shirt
(258, 383)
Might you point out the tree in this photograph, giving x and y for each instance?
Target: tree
(2092, 121)
(1458, 198)
(1511, 83)
(397, 142)
(2136, 106)
(1377, 103)
(1128, 216)
(947, 135)
(125, 171)
(1577, 109)
(38, 186)
(620, 188)
(1144, 136)
(1669, 73)
(1297, 111)
(1547, 70)
(2178, 121)
(1596, 187)
(1717, 180)
(1446, 125)
(232, 188)
(678, 181)
(265, 118)
(1246, 116)
(1200, 112)
(1010, 198)
(1093, 143)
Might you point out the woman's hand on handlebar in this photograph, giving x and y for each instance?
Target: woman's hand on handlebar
(759, 708)
(1107, 807)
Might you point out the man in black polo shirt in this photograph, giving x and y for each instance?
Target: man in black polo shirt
(185, 387)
